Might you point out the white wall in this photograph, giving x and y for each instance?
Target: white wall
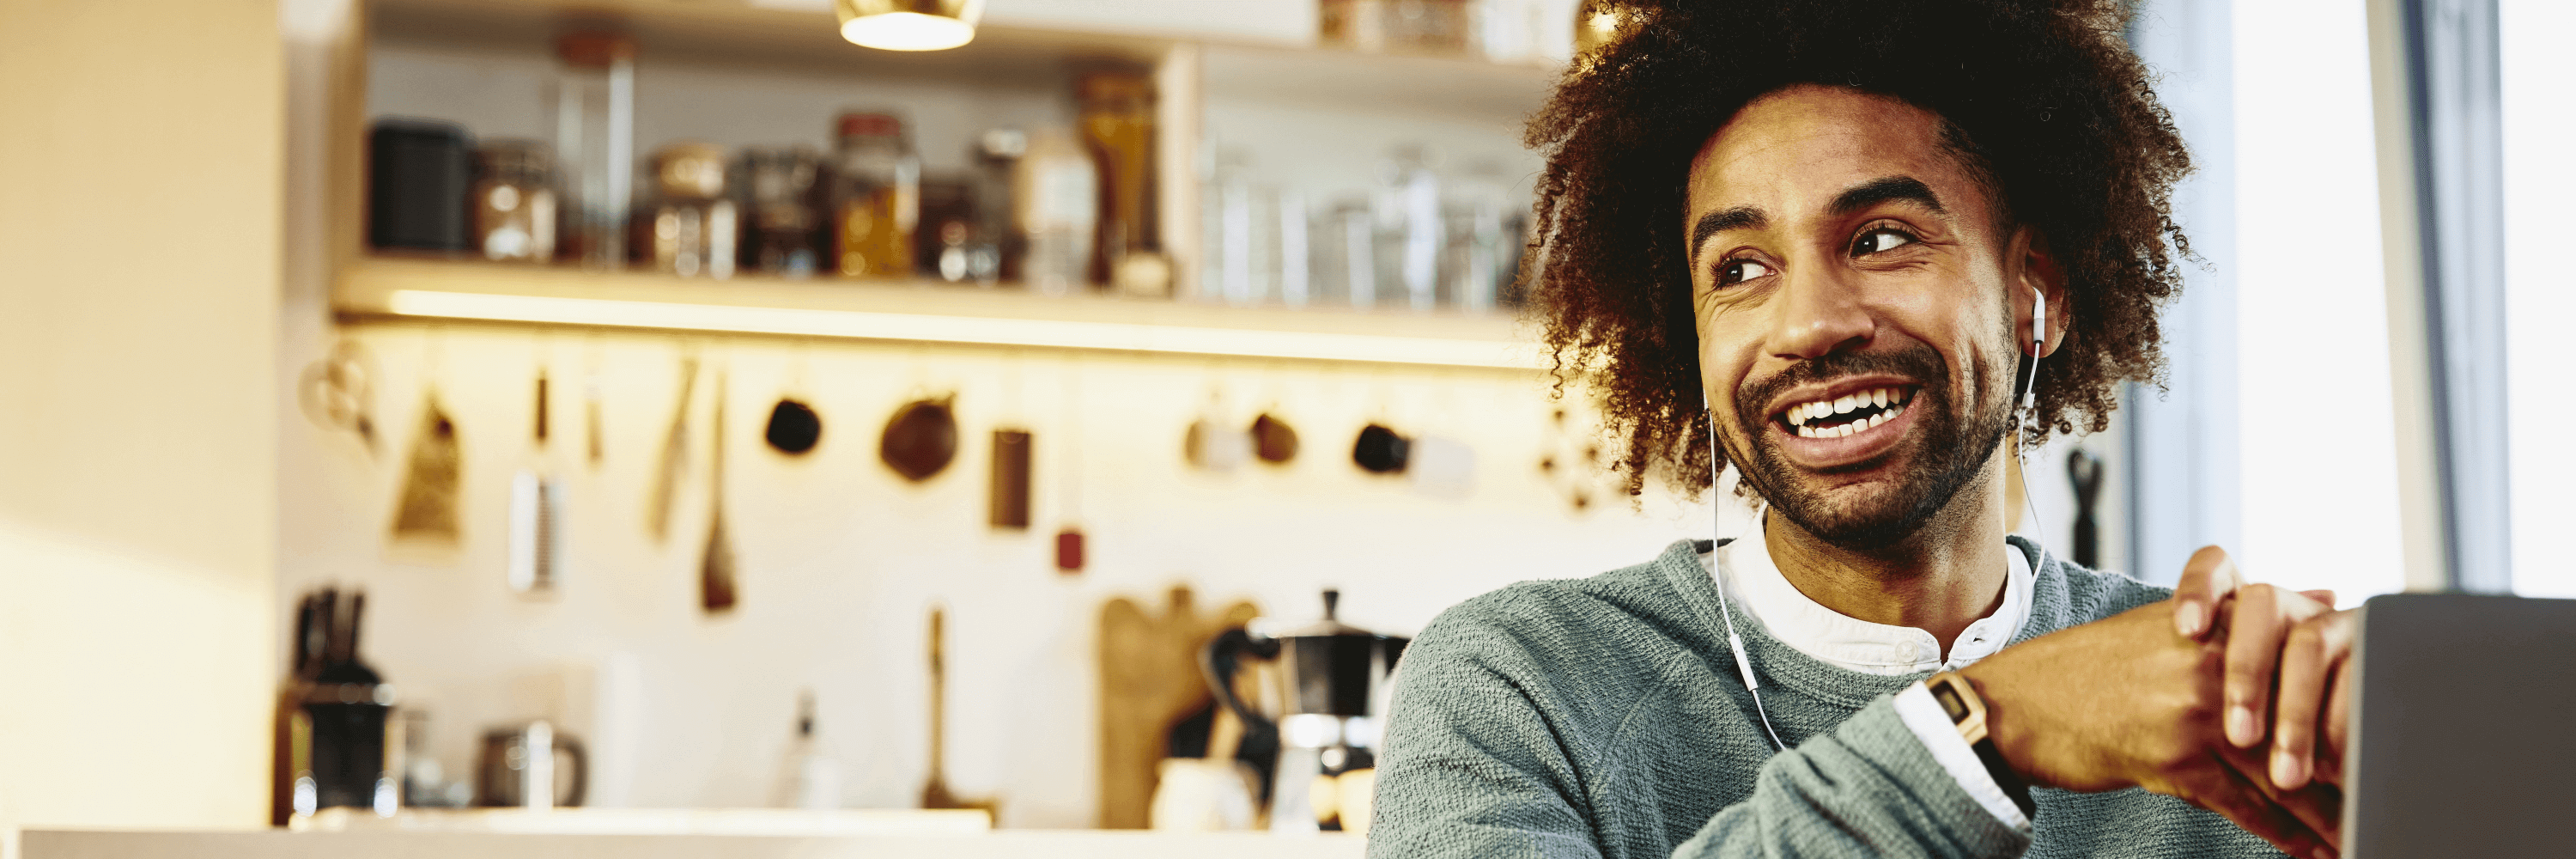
(2540, 294)
(2318, 434)
(137, 501)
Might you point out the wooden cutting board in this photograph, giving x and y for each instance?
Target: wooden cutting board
(1149, 678)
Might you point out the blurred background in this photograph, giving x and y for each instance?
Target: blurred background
(679, 394)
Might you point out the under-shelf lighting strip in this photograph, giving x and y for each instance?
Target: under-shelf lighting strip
(1044, 333)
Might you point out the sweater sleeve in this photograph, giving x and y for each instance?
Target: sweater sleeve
(1477, 764)
(1869, 787)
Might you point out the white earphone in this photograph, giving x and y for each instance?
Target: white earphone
(2029, 399)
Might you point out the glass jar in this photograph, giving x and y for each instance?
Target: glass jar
(1055, 201)
(783, 227)
(1118, 125)
(693, 226)
(594, 112)
(514, 201)
(875, 198)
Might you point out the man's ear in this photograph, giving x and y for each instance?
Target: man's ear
(2034, 267)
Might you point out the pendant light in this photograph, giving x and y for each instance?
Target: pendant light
(909, 25)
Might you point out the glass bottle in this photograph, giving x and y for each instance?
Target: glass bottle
(1055, 198)
(875, 198)
(594, 110)
(1410, 234)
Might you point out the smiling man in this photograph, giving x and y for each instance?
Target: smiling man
(1859, 252)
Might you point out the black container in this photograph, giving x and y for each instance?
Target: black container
(419, 174)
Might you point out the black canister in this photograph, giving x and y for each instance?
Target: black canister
(419, 175)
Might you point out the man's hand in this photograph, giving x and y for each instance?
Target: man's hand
(2274, 634)
(2128, 701)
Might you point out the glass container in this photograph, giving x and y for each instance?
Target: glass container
(1118, 126)
(594, 110)
(1055, 201)
(693, 226)
(875, 197)
(996, 157)
(514, 201)
(783, 228)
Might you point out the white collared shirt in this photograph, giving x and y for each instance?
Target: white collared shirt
(1788, 614)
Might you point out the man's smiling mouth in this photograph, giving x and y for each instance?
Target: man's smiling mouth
(1847, 414)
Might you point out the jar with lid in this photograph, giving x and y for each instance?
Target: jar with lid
(692, 226)
(594, 114)
(514, 201)
(782, 233)
(875, 199)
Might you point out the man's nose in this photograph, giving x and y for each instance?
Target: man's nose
(1818, 313)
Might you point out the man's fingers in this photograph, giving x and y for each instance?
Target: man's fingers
(2323, 596)
(2253, 646)
(2318, 807)
(2338, 722)
(2242, 801)
(2209, 577)
(2307, 663)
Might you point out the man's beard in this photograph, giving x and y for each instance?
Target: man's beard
(1947, 452)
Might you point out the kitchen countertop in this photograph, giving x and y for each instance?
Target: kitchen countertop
(439, 844)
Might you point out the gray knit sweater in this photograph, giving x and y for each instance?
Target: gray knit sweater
(1604, 717)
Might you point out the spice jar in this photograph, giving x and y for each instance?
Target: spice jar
(514, 201)
(782, 233)
(875, 198)
(692, 226)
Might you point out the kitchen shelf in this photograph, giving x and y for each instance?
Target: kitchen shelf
(799, 38)
(381, 288)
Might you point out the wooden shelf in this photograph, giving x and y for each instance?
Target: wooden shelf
(378, 288)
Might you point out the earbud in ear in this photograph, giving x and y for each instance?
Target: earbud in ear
(2038, 321)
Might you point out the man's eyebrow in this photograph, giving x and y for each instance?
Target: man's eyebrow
(1738, 218)
(1886, 190)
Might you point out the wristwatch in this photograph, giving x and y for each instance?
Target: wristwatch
(1959, 698)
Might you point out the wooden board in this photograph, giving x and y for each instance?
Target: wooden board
(1149, 678)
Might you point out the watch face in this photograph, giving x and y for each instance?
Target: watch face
(1948, 695)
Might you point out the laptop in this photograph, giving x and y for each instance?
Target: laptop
(2464, 743)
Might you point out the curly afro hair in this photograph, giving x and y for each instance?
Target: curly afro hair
(2043, 101)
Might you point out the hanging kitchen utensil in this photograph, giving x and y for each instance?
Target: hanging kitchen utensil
(1069, 554)
(1214, 446)
(666, 477)
(921, 439)
(2084, 471)
(1273, 439)
(716, 592)
(1380, 450)
(934, 791)
(1440, 466)
(427, 506)
(793, 427)
(1010, 498)
(339, 392)
(536, 499)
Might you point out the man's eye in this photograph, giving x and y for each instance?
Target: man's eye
(1736, 271)
(1881, 239)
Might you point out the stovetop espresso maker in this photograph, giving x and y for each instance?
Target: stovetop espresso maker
(1328, 694)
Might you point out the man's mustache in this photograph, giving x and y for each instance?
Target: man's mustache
(1921, 363)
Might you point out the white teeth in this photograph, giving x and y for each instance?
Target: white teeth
(1878, 397)
(1876, 419)
(1845, 404)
